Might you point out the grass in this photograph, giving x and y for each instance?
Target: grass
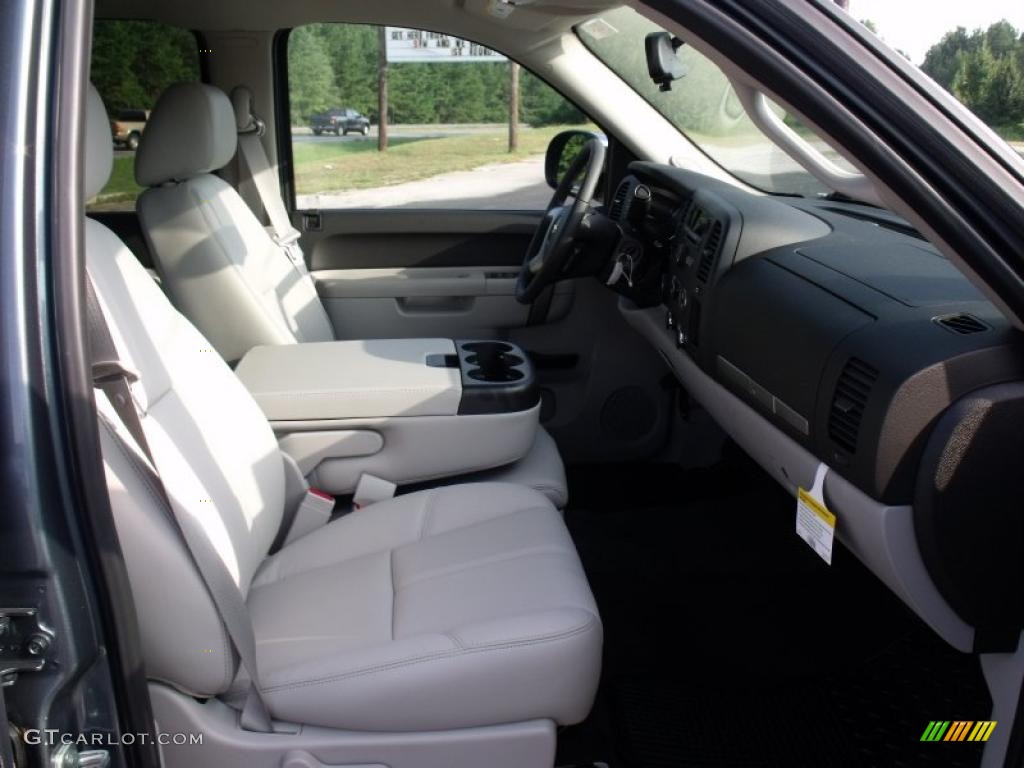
(121, 187)
(330, 166)
(356, 164)
(1011, 132)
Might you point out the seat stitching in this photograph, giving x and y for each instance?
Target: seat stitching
(487, 521)
(440, 572)
(506, 645)
(394, 591)
(271, 574)
(542, 487)
(428, 507)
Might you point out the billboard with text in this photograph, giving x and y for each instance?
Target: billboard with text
(416, 45)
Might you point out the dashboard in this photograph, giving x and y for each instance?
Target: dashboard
(854, 343)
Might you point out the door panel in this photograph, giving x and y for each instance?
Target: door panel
(400, 273)
(371, 239)
(466, 302)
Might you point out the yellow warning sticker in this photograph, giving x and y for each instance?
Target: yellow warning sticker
(815, 524)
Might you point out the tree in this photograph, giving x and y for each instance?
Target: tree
(333, 65)
(1003, 95)
(134, 61)
(985, 70)
(311, 81)
(943, 60)
(542, 105)
(1002, 39)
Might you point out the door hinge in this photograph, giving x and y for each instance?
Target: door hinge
(24, 643)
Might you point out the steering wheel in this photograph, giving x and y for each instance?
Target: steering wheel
(553, 241)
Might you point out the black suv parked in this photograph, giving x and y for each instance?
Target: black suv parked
(339, 122)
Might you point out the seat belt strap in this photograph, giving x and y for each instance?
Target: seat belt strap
(114, 379)
(109, 373)
(255, 163)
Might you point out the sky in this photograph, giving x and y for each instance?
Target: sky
(913, 26)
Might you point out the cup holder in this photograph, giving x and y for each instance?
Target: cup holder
(502, 359)
(496, 375)
(493, 362)
(496, 378)
(487, 347)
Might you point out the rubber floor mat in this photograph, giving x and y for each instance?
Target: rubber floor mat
(869, 716)
(728, 643)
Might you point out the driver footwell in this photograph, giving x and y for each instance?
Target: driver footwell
(728, 642)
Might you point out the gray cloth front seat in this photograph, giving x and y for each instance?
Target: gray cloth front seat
(456, 608)
(222, 268)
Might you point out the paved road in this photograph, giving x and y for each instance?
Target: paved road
(501, 186)
(302, 135)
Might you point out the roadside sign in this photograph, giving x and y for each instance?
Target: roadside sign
(416, 45)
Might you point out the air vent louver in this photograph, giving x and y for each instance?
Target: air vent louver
(615, 212)
(693, 216)
(710, 252)
(848, 402)
(962, 324)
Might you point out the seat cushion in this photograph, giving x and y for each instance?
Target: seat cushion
(449, 608)
(541, 469)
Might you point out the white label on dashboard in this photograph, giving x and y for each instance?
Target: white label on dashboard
(814, 523)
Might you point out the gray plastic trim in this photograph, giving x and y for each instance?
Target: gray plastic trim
(881, 536)
(412, 449)
(854, 185)
(1004, 673)
(225, 745)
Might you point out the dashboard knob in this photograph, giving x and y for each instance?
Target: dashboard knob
(683, 298)
(680, 338)
(670, 320)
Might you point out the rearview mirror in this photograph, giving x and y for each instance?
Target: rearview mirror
(663, 62)
(562, 151)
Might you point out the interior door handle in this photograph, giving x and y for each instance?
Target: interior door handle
(434, 305)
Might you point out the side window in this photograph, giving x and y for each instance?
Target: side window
(450, 137)
(132, 63)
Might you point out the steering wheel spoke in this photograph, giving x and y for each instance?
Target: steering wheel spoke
(554, 239)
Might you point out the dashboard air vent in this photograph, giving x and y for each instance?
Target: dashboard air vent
(962, 324)
(710, 252)
(615, 212)
(848, 403)
(694, 216)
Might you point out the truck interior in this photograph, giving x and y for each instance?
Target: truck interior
(466, 485)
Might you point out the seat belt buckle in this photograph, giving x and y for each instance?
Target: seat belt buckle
(371, 489)
(314, 511)
(289, 243)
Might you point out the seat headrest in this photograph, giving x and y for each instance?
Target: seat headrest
(191, 131)
(241, 102)
(99, 146)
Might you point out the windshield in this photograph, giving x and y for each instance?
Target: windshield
(703, 106)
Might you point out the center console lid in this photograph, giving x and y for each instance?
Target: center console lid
(388, 377)
(351, 379)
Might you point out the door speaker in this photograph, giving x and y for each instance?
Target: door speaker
(628, 414)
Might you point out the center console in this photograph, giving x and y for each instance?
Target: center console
(407, 410)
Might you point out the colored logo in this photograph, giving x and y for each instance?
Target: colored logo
(958, 730)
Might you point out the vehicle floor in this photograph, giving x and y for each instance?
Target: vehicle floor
(728, 642)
